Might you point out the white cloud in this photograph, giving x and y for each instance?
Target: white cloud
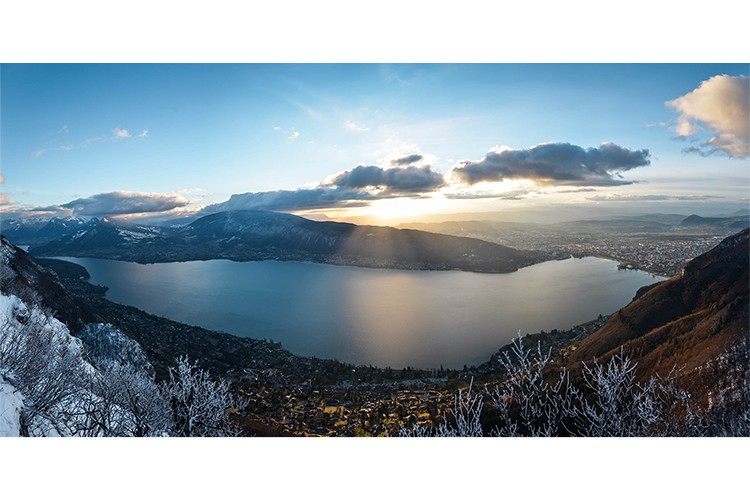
(720, 103)
(120, 133)
(685, 127)
(117, 134)
(350, 125)
(4, 197)
(276, 128)
(294, 135)
(198, 191)
(87, 142)
(5, 200)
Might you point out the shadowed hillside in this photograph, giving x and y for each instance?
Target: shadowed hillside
(23, 276)
(697, 322)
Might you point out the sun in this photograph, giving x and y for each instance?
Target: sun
(385, 211)
(484, 197)
(394, 210)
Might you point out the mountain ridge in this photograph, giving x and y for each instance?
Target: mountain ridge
(260, 235)
(687, 322)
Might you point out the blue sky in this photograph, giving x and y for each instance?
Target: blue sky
(189, 136)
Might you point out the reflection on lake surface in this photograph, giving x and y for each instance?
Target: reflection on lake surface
(381, 317)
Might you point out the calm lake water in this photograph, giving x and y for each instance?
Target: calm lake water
(381, 317)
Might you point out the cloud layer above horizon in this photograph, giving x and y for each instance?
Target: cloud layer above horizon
(548, 164)
(556, 164)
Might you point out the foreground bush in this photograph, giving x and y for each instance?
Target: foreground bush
(609, 402)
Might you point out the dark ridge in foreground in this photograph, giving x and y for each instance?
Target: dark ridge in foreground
(258, 235)
(27, 278)
(697, 322)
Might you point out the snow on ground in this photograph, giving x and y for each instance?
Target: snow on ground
(15, 315)
(55, 381)
(11, 403)
(140, 234)
(18, 324)
(11, 307)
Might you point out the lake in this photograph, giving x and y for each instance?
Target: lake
(382, 317)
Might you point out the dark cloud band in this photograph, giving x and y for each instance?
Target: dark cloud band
(396, 180)
(123, 202)
(556, 163)
(299, 199)
(406, 160)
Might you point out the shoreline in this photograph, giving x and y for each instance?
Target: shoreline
(293, 395)
(77, 274)
(621, 265)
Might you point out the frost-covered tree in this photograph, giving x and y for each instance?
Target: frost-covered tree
(147, 411)
(199, 403)
(616, 405)
(43, 362)
(530, 402)
(63, 394)
(124, 400)
(538, 399)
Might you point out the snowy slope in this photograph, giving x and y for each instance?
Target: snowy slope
(48, 381)
(11, 403)
(36, 352)
(96, 383)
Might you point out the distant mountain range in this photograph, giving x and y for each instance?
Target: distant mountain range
(649, 223)
(733, 222)
(37, 231)
(259, 235)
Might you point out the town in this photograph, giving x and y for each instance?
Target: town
(658, 244)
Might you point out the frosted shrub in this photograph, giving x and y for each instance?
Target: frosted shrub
(618, 406)
(65, 395)
(42, 362)
(533, 400)
(124, 400)
(526, 403)
(199, 404)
